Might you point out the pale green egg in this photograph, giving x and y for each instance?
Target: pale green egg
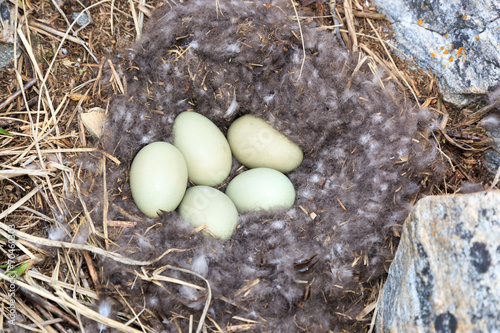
(206, 205)
(256, 144)
(206, 150)
(261, 189)
(158, 178)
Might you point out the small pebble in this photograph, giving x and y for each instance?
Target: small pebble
(83, 20)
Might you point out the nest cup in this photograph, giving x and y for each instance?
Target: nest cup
(367, 155)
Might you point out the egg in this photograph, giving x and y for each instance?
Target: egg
(257, 144)
(207, 205)
(158, 178)
(261, 189)
(206, 150)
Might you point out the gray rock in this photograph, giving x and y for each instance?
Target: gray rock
(445, 276)
(492, 157)
(459, 40)
(7, 31)
(491, 124)
(7, 24)
(7, 54)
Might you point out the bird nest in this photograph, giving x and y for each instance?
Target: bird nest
(86, 257)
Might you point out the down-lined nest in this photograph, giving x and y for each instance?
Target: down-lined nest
(367, 156)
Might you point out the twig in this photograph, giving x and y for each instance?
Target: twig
(105, 204)
(134, 17)
(344, 38)
(97, 82)
(47, 306)
(340, 203)
(121, 224)
(361, 61)
(34, 130)
(156, 275)
(350, 24)
(43, 85)
(111, 16)
(47, 242)
(86, 211)
(32, 274)
(438, 147)
(92, 270)
(81, 150)
(75, 32)
(46, 30)
(364, 14)
(15, 206)
(240, 328)
(65, 245)
(381, 62)
(217, 326)
(476, 116)
(4, 174)
(77, 107)
(73, 305)
(392, 61)
(49, 318)
(25, 107)
(7, 121)
(35, 144)
(115, 75)
(140, 16)
(136, 315)
(143, 11)
(442, 127)
(375, 312)
(218, 9)
(34, 317)
(302, 40)
(17, 93)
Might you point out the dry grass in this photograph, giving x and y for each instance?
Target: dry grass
(57, 77)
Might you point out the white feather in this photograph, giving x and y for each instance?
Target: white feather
(104, 310)
(233, 107)
(200, 265)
